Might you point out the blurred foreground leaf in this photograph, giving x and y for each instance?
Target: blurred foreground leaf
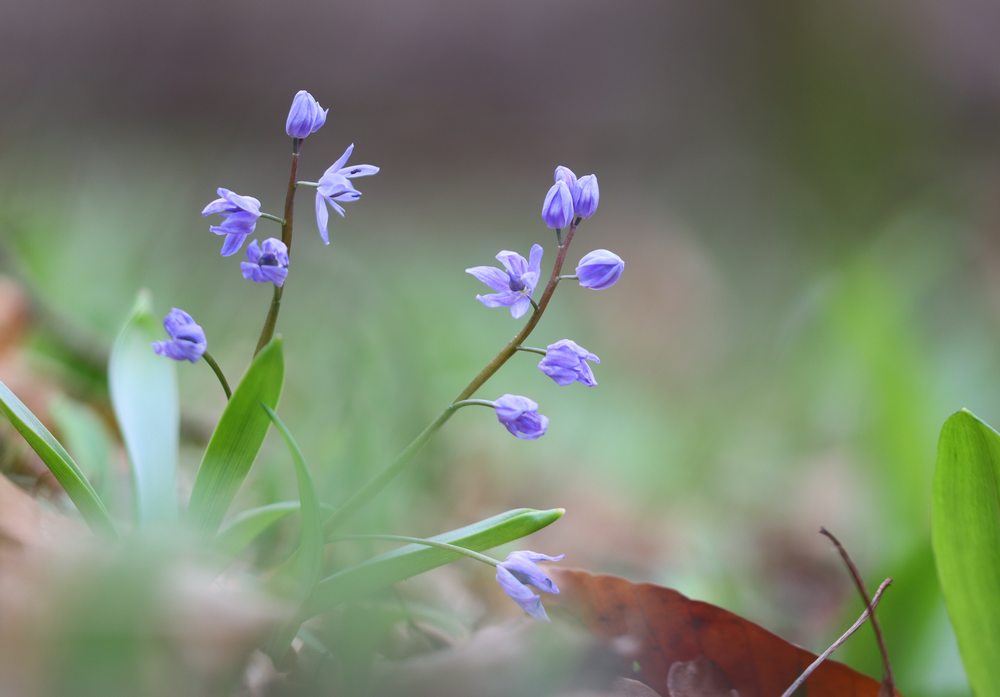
(389, 568)
(237, 439)
(59, 462)
(143, 389)
(966, 539)
(86, 435)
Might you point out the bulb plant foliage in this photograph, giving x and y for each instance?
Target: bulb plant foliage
(521, 285)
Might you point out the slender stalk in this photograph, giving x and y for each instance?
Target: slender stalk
(380, 480)
(218, 373)
(532, 349)
(839, 642)
(280, 221)
(887, 679)
(422, 541)
(271, 321)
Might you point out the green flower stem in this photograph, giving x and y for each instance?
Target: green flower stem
(218, 373)
(486, 559)
(314, 185)
(275, 218)
(568, 277)
(380, 480)
(267, 331)
(532, 349)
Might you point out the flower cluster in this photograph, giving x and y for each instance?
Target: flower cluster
(268, 263)
(570, 197)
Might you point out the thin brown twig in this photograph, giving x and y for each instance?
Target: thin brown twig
(839, 642)
(887, 680)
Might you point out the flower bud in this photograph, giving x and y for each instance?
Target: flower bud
(585, 204)
(305, 117)
(599, 269)
(520, 416)
(567, 175)
(557, 211)
(565, 362)
(187, 339)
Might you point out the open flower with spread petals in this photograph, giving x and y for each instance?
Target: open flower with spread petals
(515, 285)
(518, 572)
(267, 263)
(240, 213)
(187, 339)
(520, 416)
(335, 185)
(599, 269)
(565, 362)
(305, 117)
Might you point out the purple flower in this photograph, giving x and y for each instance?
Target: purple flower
(557, 210)
(520, 416)
(518, 572)
(267, 263)
(515, 286)
(584, 191)
(305, 117)
(566, 361)
(187, 339)
(599, 269)
(585, 203)
(240, 213)
(335, 186)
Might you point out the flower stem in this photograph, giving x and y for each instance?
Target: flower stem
(275, 218)
(382, 479)
(271, 321)
(532, 349)
(218, 373)
(314, 185)
(486, 559)
(568, 277)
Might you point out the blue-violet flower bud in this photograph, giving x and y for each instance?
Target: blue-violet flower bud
(557, 210)
(567, 175)
(566, 361)
(187, 339)
(515, 286)
(599, 269)
(585, 204)
(518, 572)
(267, 263)
(305, 117)
(240, 213)
(520, 416)
(335, 186)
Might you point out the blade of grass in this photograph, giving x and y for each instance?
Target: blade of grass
(59, 462)
(237, 439)
(402, 563)
(144, 395)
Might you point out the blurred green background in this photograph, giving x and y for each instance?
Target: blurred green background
(804, 193)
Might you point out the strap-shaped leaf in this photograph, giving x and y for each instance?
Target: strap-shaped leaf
(237, 439)
(410, 560)
(966, 539)
(59, 462)
(143, 390)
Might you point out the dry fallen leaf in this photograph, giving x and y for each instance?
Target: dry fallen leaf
(686, 648)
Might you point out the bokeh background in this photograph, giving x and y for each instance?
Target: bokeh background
(805, 194)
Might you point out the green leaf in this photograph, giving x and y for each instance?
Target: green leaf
(242, 529)
(966, 539)
(143, 390)
(410, 560)
(87, 436)
(237, 439)
(59, 462)
(310, 552)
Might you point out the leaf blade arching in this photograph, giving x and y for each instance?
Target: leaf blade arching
(59, 462)
(237, 439)
(965, 533)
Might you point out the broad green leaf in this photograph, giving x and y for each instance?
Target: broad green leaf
(966, 539)
(59, 462)
(410, 560)
(310, 552)
(237, 439)
(87, 436)
(143, 390)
